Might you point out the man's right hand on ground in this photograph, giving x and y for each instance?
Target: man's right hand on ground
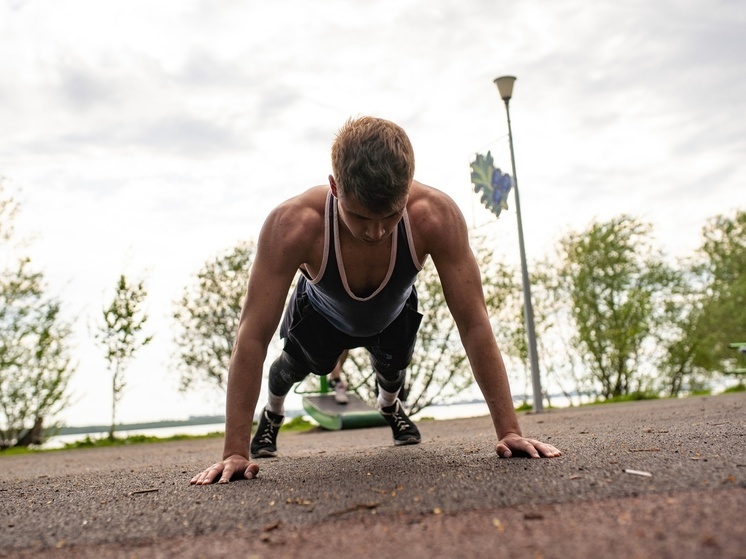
(233, 467)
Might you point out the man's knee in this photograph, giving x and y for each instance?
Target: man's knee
(390, 381)
(284, 373)
(389, 364)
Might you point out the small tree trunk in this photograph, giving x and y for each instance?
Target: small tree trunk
(33, 435)
(114, 396)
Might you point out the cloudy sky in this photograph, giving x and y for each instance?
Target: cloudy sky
(145, 137)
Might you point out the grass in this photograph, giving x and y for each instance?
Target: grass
(104, 442)
(740, 387)
(631, 397)
(295, 424)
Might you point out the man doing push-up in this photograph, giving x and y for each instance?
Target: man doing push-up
(359, 243)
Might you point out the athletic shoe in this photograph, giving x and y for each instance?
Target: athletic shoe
(264, 443)
(405, 432)
(340, 393)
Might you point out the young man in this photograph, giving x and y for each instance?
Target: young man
(359, 243)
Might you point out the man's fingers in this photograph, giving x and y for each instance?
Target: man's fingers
(547, 450)
(251, 471)
(225, 471)
(227, 474)
(537, 449)
(531, 447)
(208, 476)
(503, 451)
(199, 478)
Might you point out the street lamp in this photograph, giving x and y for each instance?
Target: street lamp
(505, 87)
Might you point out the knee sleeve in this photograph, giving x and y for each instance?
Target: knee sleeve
(390, 381)
(284, 373)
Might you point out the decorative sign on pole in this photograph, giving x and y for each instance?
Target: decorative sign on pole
(491, 182)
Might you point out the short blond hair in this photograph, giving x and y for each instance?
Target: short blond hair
(373, 161)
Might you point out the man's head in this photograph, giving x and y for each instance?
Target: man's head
(373, 162)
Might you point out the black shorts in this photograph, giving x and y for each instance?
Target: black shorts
(312, 341)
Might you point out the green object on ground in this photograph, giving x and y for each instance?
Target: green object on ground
(332, 416)
(741, 346)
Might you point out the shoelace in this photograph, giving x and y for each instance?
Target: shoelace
(401, 422)
(268, 433)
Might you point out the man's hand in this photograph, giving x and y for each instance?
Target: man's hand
(514, 443)
(233, 467)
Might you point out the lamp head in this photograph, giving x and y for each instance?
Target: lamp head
(505, 86)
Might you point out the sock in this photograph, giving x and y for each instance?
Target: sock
(386, 398)
(276, 404)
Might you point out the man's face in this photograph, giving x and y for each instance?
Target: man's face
(367, 226)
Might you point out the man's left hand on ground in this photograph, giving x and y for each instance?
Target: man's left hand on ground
(233, 467)
(513, 444)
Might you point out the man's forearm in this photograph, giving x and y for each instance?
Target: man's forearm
(491, 376)
(244, 385)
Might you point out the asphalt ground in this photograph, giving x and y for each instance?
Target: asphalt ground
(663, 478)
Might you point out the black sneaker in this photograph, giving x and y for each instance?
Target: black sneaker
(405, 432)
(264, 443)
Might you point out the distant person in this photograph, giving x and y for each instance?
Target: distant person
(338, 386)
(359, 243)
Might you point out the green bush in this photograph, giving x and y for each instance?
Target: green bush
(298, 423)
(740, 387)
(631, 397)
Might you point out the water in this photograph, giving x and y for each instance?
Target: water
(453, 411)
(161, 432)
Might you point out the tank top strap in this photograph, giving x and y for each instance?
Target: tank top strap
(328, 241)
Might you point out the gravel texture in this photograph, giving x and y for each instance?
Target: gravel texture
(662, 478)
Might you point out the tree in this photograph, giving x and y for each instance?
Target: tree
(35, 367)
(613, 278)
(120, 335)
(8, 210)
(723, 317)
(704, 309)
(208, 314)
(555, 329)
(679, 339)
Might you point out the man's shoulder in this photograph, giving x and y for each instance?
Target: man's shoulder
(306, 205)
(436, 220)
(300, 217)
(429, 206)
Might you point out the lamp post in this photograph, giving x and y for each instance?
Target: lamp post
(505, 87)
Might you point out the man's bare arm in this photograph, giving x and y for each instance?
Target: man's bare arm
(462, 287)
(280, 251)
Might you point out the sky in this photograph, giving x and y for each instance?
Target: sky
(146, 137)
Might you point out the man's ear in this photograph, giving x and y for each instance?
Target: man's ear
(333, 185)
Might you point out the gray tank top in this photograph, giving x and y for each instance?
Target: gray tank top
(331, 296)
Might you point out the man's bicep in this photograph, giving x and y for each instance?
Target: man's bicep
(462, 286)
(280, 251)
(265, 299)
